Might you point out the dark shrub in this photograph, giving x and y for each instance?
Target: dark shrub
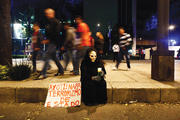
(19, 72)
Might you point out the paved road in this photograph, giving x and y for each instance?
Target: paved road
(134, 111)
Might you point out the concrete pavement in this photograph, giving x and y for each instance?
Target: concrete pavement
(123, 86)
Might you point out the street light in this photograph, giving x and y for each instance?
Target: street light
(98, 25)
(171, 27)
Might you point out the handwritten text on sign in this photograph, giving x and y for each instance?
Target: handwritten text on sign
(63, 95)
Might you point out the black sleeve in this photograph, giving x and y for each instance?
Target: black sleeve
(84, 73)
(58, 28)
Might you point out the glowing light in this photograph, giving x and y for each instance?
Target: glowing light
(69, 21)
(17, 30)
(98, 25)
(171, 27)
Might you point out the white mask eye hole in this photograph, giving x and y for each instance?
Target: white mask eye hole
(93, 56)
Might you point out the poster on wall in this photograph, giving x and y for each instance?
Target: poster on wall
(64, 95)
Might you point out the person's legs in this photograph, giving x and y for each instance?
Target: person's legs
(34, 55)
(118, 59)
(85, 48)
(114, 56)
(75, 61)
(46, 60)
(66, 59)
(127, 59)
(55, 59)
(44, 70)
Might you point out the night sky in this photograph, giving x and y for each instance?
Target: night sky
(68, 9)
(65, 9)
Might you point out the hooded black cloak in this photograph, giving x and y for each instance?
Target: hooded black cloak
(93, 92)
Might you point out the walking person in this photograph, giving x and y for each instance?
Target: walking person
(178, 54)
(124, 42)
(37, 38)
(69, 47)
(52, 29)
(82, 42)
(151, 53)
(83, 32)
(114, 42)
(99, 44)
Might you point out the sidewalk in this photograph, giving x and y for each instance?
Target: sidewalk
(123, 86)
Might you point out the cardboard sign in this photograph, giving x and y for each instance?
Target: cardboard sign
(63, 95)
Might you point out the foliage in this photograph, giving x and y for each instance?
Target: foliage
(3, 72)
(19, 71)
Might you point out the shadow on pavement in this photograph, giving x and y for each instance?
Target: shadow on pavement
(90, 109)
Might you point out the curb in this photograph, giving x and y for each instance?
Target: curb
(115, 95)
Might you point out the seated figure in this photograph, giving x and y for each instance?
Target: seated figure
(92, 79)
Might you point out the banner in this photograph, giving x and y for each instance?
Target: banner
(63, 95)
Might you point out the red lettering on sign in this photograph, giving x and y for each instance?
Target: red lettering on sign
(54, 86)
(75, 103)
(58, 93)
(49, 104)
(56, 103)
(54, 93)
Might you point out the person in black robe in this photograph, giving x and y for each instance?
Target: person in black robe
(92, 79)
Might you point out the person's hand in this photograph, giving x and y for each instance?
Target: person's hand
(45, 42)
(102, 73)
(96, 78)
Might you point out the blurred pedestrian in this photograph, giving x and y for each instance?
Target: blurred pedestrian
(53, 29)
(124, 42)
(99, 44)
(70, 47)
(151, 52)
(114, 42)
(91, 39)
(178, 55)
(83, 32)
(37, 38)
(92, 79)
(141, 53)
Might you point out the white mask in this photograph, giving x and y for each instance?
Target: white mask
(93, 56)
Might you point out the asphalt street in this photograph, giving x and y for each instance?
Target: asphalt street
(135, 111)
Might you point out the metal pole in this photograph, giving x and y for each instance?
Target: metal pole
(134, 26)
(163, 24)
(162, 59)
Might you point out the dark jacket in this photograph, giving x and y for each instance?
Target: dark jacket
(53, 29)
(70, 38)
(99, 44)
(39, 38)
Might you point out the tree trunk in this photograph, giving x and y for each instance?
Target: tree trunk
(5, 33)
